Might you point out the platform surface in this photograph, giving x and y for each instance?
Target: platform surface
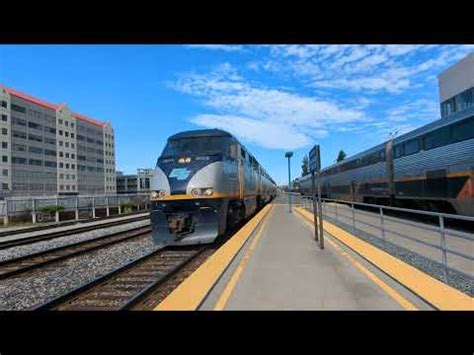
(282, 268)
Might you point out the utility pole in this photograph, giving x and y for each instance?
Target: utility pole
(289, 155)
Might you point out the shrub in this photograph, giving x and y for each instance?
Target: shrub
(51, 209)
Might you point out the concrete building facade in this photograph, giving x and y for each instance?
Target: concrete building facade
(47, 149)
(134, 183)
(456, 86)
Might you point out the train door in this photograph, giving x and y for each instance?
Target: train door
(353, 190)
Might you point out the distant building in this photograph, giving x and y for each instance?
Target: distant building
(46, 149)
(134, 183)
(456, 86)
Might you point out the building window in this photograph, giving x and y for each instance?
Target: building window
(4, 145)
(72, 135)
(66, 133)
(72, 145)
(4, 131)
(60, 132)
(67, 144)
(73, 166)
(5, 186)
(36, 162)
(61, 176)
(36, 150)
(66, 123)
(4, 118)
(61, 154)
(5, 172)
(4, 104)
(72, 156)
(5, 158)
(17, 108)
(60, 143)
(72, 124)
(61, 165)
(67, 165)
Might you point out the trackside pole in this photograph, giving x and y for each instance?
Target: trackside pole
(320, 212)
(315, 211)
(315, 168)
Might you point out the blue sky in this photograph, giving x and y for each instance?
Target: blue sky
(273, 98)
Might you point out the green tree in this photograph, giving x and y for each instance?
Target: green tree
(341, 156)
(305, 166)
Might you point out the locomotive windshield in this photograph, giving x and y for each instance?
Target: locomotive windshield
(195, 146)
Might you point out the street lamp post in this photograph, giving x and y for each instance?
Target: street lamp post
(289, 155)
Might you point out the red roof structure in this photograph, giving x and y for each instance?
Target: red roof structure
(50, 105)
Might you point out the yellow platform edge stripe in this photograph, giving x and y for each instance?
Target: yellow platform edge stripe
(435, 292)
(192, 291)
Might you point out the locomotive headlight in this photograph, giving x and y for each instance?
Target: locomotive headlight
(206, 191)
(209, 191)
(184, 160)
(157, 194)
(196, 192)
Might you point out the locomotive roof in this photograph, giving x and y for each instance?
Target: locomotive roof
(200, 133)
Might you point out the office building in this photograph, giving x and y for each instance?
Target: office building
(47, 149)
(134, 183)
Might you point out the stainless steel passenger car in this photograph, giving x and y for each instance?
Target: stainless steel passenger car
(429, 168)
(205, 181)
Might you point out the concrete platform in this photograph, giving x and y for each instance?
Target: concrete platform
(281, 268)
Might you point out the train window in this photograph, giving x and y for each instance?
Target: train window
(242, 153)
(397, 151)
(412, 147)
(436, 139)
(463, 130)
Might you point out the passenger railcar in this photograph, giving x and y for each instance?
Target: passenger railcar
(430, 168)
(205, 181)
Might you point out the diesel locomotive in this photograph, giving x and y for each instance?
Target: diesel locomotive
(205, 182)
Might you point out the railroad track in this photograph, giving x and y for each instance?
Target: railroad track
(63, 224)
(27, 263)
(57, 234)
(128, 285)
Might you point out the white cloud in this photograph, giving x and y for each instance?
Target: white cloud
(218, 47)
(378, 68)
(272, 135)
(273, 118)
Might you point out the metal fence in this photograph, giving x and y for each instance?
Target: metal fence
(439, 243)
(56, 208)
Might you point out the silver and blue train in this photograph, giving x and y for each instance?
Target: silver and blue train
(430, 168)
(205, 182)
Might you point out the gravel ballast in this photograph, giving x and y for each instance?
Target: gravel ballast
(25, 292)
(27, 249)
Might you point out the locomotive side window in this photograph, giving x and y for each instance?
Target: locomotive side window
(463, 130)
(412, 147)
(232, 153)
